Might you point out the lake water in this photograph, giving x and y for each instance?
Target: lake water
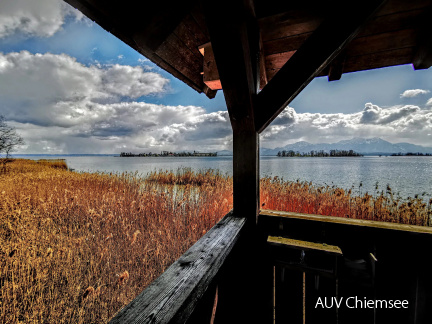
(407, 176)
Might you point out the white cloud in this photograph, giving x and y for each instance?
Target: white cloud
(429, 102)
(62, 106)
(396, 124)
(42, 18)
(373, 114)
(56, 90)
(143, 127)
(413, 93)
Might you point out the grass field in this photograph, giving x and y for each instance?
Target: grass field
(76, 247)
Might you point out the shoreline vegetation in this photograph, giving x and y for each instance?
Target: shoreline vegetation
(76, 247)
(321, 153)
(169, 154)
(411, 154)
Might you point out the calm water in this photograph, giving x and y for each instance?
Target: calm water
(407, 176)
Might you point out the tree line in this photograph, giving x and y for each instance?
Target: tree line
(320, 153)
(411, 154)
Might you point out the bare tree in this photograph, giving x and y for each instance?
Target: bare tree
(9, 141)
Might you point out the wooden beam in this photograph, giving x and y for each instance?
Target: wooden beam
(210, 72)
(360, 223)
(423, 56)
(174, 296)
(262, 65)
(310, 59)
(235, 43)
(336, 67)
(234, 35)
(304, 245)
(108, 17)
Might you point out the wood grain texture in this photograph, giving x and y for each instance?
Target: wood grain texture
(304, 245)
(235, 44)
(348, 221)
(309, 60)
(173, 296)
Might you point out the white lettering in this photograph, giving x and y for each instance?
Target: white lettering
(336, 302)
(319, 302)
(348, 300)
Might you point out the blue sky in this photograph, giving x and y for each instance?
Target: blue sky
(68, 86)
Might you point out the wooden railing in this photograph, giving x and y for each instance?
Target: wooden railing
(379, 261)
(185, 292)
(283, 272)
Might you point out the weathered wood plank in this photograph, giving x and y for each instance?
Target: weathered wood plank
(304, 245)
(423, 56)
(309, 60)
(358, 46)
(382, 42)
(395, 15)
(197, 32)
(379, 60)
(289, 23)
(348, 221)
(354, 63)
(177, 54)
(173, 296)
(188, 38)
(211, 74)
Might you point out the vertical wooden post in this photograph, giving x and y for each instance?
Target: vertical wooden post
(246, 172)
(235, 38)
(245, 288)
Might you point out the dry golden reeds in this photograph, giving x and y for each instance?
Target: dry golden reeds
(64, 233)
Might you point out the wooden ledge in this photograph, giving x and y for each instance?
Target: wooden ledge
(348, 221)
(173, 296)
(304, 245)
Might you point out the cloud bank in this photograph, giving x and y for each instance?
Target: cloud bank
(407, 123)
(62, 106)
(41, 18)
(56, 90)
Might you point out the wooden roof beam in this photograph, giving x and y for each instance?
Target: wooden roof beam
(336, 67)
(235, 44)
(310, 59)
(423, 55)
(210, 72)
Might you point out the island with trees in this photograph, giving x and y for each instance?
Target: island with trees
(321, 153)
(170, 154)
(411, 154)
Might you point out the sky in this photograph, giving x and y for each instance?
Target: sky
(70, 87)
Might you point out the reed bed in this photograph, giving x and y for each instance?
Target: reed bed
(304, 197)
(54, 163)
(76, 247)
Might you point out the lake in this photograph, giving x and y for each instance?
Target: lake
(406, 175)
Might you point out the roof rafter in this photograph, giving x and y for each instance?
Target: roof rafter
(328, 40)
(235, 44)
(423, 55)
